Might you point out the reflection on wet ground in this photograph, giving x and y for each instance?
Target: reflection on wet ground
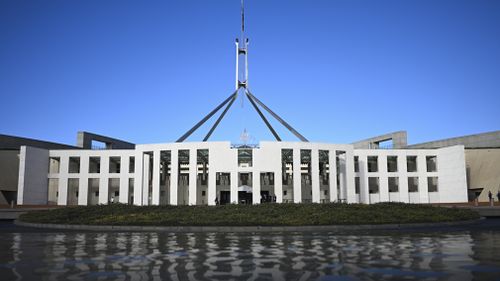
(453, 255)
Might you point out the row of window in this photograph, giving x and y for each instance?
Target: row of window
(74, 165)
(392, 163)
(393, 183)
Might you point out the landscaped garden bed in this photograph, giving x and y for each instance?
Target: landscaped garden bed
(250, 215)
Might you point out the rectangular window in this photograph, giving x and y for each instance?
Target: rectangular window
(202, 157)
(245, 157)
(74, 165)
(94, 164)
(411, 163)
(412, 184)
(356, 164)
(73, 185)
(392, 164)
(53, 187)
(373, 183)
(114, 165)
(131, 190)
(131, 164)
(393, 184)
(324, 167)
(372, 164)
(431, 163)
(432, 184)
(54, 165)
(287, 166)
(356, 184)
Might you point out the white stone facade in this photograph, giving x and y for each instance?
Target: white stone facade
(201, 173)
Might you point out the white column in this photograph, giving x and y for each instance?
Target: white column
(125, 162)
(297, 181)
(62, 197)
(403, 179)
(83, 191)
(332, 163)
(423, 190)
(155, 196)
(315, 176)
(383, 181)
(104, 180)
(174, 177)
(278, 184)
(138, 176)
(364, 194)
(145, 179)
(256, 187)
(212, 185)
(234, 187)
(193, 176)
(83, 183)
(349, 176)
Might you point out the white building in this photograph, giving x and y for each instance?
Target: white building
(201, 173)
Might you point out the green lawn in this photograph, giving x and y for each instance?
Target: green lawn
(250, 215)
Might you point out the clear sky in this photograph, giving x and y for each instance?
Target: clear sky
(336, 70)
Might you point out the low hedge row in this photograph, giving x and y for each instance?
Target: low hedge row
(250, 215)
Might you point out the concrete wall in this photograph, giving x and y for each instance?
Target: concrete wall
(484, 140)
(84, 140)
(33, 170)
(483, 171)
(9, 173)
(450, 173)
(399, 140)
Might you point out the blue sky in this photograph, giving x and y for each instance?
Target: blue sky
(336, 70)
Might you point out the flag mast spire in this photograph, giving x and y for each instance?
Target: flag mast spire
(242, 54)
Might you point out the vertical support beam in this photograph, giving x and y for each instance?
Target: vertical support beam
(404, 196)
(349, 176)
(423, 190)
(297, 177)
(383, 178)
(246, 62)
(145, 179)
(212, 183)
(125, 162)
(255, 187)
(62, 196)
(104, 180)
(364, 195)
(83, 183)
(174, 177)
(332, 163)
(193, 176)
(234, 187)
(316, 196)
(155, 196)
(278, 183)
(138, 178)
(83, 191)
(237, 67)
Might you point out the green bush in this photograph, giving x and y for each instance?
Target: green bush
(250, 215)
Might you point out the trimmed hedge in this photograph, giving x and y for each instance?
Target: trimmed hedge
(250, 215)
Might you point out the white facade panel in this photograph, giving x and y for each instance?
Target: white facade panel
(266, 161)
